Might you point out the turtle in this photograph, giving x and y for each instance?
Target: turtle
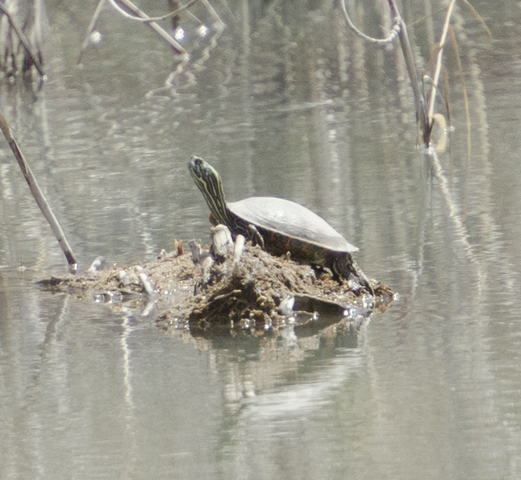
(280, 225)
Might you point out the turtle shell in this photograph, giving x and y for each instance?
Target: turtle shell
(289, 219)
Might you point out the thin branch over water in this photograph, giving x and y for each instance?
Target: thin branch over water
(399, 30)
(39, 196)
(32, 55)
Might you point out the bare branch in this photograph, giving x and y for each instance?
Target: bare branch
(137, 15)
(419, 99)
(23, 39)
(399, 29)
(90, 29)
(212, 12)
(479, 17)
(379, 41)
(174, 12)
(153, 25)
(437, 71)
(39, 196)
(139, 18)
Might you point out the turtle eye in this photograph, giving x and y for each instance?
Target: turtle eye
(198, 161)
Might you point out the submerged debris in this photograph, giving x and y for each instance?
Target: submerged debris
(241, 286)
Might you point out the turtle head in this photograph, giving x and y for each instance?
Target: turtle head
(209, 182)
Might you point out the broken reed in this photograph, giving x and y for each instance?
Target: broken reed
(39, 196)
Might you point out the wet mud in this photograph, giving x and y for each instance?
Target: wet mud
(257, 293)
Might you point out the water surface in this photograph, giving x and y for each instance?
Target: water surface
(286, 102)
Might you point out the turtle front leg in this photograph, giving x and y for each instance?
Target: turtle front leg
(255, 236)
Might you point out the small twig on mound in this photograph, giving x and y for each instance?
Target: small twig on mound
(96, 265)
(39, 196)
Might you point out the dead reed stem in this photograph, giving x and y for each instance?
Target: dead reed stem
(438, 65)
(33, 56)
(39, 196)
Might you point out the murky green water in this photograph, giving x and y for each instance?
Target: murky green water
(286, 103)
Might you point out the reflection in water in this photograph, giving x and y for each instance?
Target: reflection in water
(255, 365)
(285, 102)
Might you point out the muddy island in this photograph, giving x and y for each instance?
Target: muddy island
(239, 287)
